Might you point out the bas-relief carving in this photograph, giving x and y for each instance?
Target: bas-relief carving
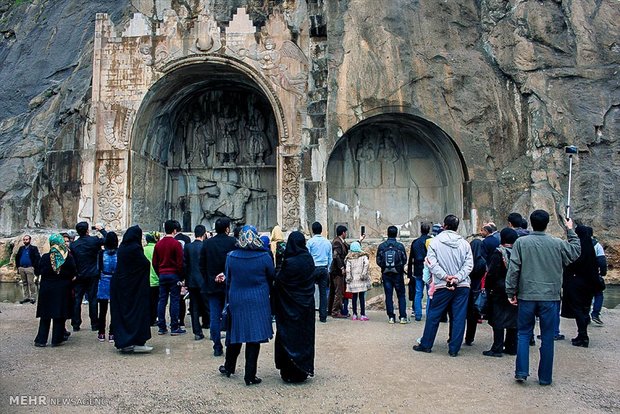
(111, 192)
(202, 140)
(381, 175)
(221, 158)
(291, 174)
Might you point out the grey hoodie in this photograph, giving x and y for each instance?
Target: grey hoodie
(449, 254)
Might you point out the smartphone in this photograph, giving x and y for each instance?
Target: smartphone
(93, 228)
(363, 230)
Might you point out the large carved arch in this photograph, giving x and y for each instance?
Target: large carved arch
(394, 168)
(182, 78)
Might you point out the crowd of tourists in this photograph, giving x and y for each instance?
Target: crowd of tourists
(242, 284)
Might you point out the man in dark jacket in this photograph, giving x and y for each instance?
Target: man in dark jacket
(195, 283)
(85, 251)
(415, 267)
(212, 265)
(340, 248)
(27, 264)
(391, 258)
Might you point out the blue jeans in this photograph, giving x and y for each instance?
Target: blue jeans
(598, 305)
(168, 287)
(391, 282)
(216, 305)
(419, 294)
(321, 278)
(547, 312)
(456, 302)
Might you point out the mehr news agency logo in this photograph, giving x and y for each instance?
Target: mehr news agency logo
(44, 400)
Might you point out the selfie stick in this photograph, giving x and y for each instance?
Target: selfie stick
(570, 151)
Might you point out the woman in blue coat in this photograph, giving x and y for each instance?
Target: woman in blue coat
(249, 274)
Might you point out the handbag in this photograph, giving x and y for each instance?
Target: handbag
(480, 297)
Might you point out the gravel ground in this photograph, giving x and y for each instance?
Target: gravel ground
(365, 367)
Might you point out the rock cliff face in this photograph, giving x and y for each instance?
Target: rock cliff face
(510, 82)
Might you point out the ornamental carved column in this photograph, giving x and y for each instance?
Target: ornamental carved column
(290, 182)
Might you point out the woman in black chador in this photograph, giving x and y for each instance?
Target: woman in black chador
(580, 281)
(129, 295)
(501, 314)
(294, 310)
(57, 269)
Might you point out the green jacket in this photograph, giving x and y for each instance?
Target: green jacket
(148, 252)
(537, 263)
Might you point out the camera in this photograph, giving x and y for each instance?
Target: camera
(571, 149)
(451, 284)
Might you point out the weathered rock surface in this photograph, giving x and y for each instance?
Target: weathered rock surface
(510, 82)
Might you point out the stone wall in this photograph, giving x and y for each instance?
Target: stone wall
(509, 83)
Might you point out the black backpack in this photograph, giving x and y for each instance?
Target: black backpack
(391, 259)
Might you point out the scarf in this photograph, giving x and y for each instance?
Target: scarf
(58, 251)
(249, 238)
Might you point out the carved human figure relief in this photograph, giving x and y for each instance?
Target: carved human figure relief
(364, 155)
(226, 146)
(257, 139)
(269, 56)
(388, 153)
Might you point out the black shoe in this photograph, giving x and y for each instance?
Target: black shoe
(66, 335)
(520, 378)
(224, 371)
(492, 354)
(199, 337)
(420, 348)
(323, 320)
(40, 345)
(33, 301)
(253, 381)
(453, 354)
(559, 337)
(218, 352)
(585, 342)
(469, 343)
(24, 301)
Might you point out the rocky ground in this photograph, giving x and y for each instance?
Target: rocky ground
(360, 367)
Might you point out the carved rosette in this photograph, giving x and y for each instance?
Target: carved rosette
(110, 192)
(291, 174)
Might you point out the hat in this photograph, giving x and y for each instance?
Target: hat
(436, 229)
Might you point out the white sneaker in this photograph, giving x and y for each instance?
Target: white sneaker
(419, 340)
(391, 320)
(403, 321)
(142, 349)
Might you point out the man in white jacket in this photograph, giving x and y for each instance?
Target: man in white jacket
(450, 262)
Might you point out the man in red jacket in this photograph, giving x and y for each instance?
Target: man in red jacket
(168, 264)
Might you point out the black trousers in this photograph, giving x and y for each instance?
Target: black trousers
(154, 300)
(252, 349)
(85, 286)
(103, 311)
(507, 344)
(198, 307)
(472, 319)
(58, 332)
(582, 317)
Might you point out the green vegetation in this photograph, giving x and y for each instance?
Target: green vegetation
(4, 262)
(20, 2)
